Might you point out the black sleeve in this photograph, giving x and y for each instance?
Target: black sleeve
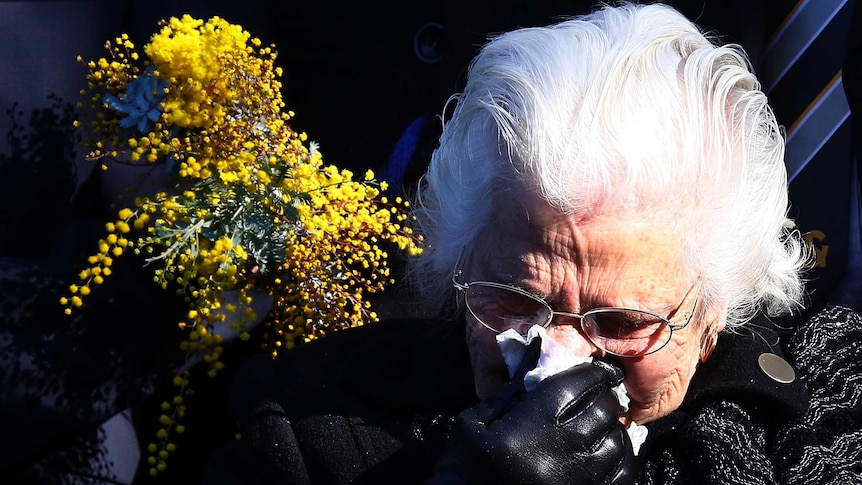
(358, 406)
(266, 453)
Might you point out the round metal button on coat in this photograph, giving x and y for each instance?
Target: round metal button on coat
(776, 368)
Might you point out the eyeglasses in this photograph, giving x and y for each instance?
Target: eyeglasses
(625, 332)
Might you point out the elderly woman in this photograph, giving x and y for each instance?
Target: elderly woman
(608, 206)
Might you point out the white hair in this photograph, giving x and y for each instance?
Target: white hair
(628, 107)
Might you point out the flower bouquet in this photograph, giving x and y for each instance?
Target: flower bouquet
(251, 210)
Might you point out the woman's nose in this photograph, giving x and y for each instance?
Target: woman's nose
(571, 337)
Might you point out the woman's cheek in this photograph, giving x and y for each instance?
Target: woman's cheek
(655, 384)
(639, 379)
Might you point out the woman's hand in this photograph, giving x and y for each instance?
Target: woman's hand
(566, 430)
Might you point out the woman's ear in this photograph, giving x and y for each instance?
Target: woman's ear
(708, 341)
(715, 322)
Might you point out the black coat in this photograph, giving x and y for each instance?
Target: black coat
(361, 406)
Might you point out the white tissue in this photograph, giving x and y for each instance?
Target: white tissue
(554, 358)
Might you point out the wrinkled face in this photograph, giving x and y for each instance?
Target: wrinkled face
(607, 261)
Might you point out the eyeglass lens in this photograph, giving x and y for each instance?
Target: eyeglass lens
(618, 331)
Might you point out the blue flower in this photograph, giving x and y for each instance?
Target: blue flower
(141, 103)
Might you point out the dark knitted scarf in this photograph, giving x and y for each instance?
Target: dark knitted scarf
(735, 441)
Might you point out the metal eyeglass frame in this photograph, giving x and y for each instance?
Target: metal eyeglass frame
(580, 317)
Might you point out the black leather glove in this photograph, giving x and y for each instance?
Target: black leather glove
(566, 430)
